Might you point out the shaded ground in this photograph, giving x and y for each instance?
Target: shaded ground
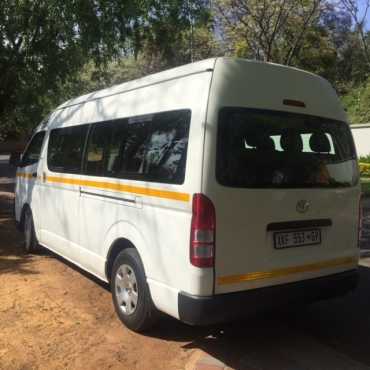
(365, 242)
(53, 316)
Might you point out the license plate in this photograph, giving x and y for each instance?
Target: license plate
(299, 238)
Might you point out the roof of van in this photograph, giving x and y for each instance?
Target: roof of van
(173, 73)
(169, 74)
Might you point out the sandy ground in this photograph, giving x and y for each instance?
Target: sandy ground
(54, 317)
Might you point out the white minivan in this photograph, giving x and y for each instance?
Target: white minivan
(208, 191)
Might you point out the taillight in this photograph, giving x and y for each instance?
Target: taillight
(203, 232)
(360, 221)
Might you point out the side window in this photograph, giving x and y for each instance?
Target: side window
(65, 149)
(148, 148)
(32, 154)
(155, 147)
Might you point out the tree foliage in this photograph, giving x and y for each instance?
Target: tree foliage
(176, 32)
(325, 37)
(53, 50)
(45, 42)
(46, 45)
(271, 30)
(357, 103)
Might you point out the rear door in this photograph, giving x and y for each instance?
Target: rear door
(285, 196)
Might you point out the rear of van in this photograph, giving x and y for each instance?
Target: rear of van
(280, 193)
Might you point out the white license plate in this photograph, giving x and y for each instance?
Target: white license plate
(288, 239)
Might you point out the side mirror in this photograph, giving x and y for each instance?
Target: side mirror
(15, 159)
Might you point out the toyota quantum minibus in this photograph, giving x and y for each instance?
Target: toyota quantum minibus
(207, 192)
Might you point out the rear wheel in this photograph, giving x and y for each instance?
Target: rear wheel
(30, 240)
(130, 292)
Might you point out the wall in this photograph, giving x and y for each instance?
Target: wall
(361, 135)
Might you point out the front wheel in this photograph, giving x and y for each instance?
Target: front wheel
(30, 240)
(130, 292)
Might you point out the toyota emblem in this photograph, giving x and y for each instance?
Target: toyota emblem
(303, 206)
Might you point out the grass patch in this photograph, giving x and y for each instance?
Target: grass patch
(365, 159)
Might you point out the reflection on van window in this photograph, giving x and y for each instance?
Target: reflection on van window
(258, 148)
(66, 148)
(148, 148)
(97, 148)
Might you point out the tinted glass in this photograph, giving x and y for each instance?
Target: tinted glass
(148, 148)
(97, 154)
(33, 151)
(154, 147)
(271, 149)
(65, 149)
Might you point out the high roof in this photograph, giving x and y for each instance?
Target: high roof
(169, 74)
(155, 78)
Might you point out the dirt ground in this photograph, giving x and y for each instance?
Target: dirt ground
(52, 316)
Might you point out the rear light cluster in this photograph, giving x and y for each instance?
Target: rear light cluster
(203, 232)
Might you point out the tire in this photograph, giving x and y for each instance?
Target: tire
(130, 292)
(30, 240)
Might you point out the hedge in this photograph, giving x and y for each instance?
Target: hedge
(364, 169)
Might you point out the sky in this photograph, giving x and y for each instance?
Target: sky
(362, 6)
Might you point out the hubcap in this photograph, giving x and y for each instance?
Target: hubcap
(126, 289)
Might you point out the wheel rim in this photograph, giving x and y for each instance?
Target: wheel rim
(28, 230)
(126, 289)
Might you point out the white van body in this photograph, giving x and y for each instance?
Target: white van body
(81, 216)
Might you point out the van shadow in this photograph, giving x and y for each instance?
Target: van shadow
(328, 335)
(74, 267)
(12, 257)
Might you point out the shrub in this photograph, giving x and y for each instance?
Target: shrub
(364, 169)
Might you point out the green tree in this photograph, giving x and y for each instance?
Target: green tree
(45, 42)
(359, 18)
(51, 50)
(321, 36)
(176, 32)
(272, 30)
(356, 102)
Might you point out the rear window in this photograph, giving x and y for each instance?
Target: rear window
(270, 149)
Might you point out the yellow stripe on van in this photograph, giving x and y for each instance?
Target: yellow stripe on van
(25, 175)
(158, 193)
(234, 279)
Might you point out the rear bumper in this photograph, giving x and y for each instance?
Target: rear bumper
(200, 310)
